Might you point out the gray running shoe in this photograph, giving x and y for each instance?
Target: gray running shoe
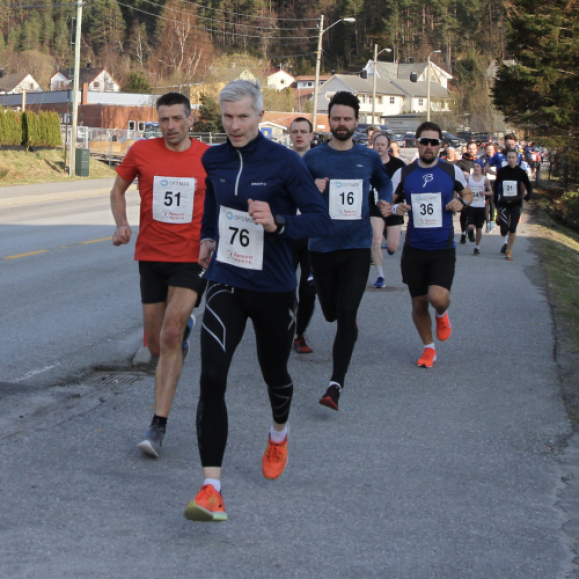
(153, 441)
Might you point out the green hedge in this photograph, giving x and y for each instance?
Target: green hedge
(30, 129)
(42, 130)
(10, 128)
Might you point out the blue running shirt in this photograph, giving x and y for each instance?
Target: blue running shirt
(428, 191)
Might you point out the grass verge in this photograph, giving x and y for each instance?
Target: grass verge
(17, 167)
(559, 253)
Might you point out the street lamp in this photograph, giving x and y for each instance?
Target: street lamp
(428, 85)
(376, 53)
(318, 59)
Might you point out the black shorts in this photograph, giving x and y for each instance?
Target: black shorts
(390, 221)
(422, 268)
(476, 216)
(158, 276)
(509, 217)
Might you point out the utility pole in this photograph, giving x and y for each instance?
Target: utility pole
(75, 84)
(374, 83)
(317, 78)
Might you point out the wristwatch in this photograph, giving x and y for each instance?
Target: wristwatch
(280, 222)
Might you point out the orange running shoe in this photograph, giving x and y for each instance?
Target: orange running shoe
(274, 459)
(428, 358)
(207, 507)
(443, 327)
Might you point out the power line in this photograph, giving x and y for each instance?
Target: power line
(213, 31)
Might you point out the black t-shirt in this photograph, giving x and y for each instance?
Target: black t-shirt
(393, 165)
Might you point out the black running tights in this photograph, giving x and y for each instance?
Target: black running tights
(306, 291)
(224, 320)
(340, 278)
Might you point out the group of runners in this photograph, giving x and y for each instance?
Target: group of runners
(235, 220)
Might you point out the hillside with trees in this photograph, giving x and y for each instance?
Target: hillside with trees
(177, 41)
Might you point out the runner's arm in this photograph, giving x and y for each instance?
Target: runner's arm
(528, 187)
(462, 190)
(123, 232)
(380, 180)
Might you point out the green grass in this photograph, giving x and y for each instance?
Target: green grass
(42, 166)
(559, 254)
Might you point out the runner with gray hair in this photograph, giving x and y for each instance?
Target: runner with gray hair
(240, 89)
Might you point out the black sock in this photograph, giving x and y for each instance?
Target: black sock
(159, 420)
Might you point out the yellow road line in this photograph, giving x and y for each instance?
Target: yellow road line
(26, 254)
(96, 240)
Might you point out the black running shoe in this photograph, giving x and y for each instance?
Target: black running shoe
(471, 235)
(504, 249)
(476, 251)
(463, 238)
(331, 397)
(153, 441)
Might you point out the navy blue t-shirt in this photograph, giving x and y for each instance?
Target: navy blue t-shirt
(356, 164)
(428, 191)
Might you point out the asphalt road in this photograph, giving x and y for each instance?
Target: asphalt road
(457, 472)
(69, 299)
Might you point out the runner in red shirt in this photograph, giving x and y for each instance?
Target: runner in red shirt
(172, 189)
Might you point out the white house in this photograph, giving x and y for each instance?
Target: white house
(279, 79)
(402, 71)
(17, 83)
(393, 97)
(305, 81)
(98, 79)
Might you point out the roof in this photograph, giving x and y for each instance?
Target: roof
(302, 92)
(276, 70)
(10, 81)
(285, 119)
(402, 70)
(86, 74)
(366, 86)
(313, 77)
(420, 89)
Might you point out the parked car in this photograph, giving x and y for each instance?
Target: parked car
(452, 140)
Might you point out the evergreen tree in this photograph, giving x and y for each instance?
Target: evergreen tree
(209, 117)
(137, 82)
(540, 92)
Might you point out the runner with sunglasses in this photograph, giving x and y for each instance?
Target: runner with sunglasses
(426, 190)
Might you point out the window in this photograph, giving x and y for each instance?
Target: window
(392, 100)
(362, 98)
(96, 85)
(420, 102)
(310, 83)
(282, 81)
(378, 100)
(141, 126)
(132, 125)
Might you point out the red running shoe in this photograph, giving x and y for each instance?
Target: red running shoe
(206, 507)
(443, 327)
(301, 346)
(428, 358)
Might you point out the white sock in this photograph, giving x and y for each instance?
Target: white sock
(430, 346)
(332, 383)
(506, 238)
(379, 270)
(476, 246)
(439, 316)
(278, 436)
(215, 482)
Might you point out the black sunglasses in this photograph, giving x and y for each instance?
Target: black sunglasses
(425, 141)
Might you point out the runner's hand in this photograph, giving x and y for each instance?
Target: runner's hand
(455, 205)
(260, 212)
(205, 253)
(385, 208)
(122, 235)
(402, 209)
(321, 184)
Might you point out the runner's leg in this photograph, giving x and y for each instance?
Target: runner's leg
(306, 291)
(352, 279)
(224, 322)
(180, 304)
(393, 237)
(378, 225)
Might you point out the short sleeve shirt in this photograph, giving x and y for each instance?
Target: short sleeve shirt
(159, 240)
